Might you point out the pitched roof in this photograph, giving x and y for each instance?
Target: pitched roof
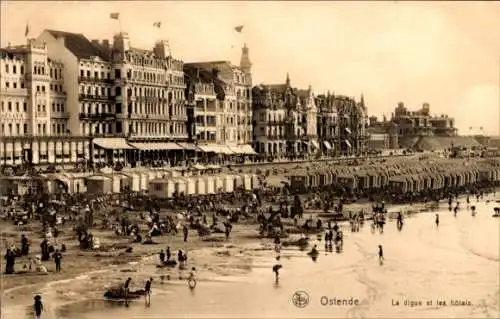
(79, 45)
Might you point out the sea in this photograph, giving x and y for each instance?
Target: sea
(446, 271)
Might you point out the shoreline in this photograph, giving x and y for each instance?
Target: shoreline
(203, 251)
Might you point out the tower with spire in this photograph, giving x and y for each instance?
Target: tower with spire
(245, 63)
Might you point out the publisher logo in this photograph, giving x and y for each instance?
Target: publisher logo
(300, 299)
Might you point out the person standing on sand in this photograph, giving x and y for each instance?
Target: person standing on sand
(185, 231)
(38, 306)
(169, 254)
(437, 220)
(57, 259)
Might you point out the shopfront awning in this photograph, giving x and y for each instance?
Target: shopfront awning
(236, 149)
(188, 146)
(225, 150)
(327, 145)
(208, 148)
(169, 146)
(348, 130)
(315, 144)
(348, 143)
(112, 143)
(247, 149)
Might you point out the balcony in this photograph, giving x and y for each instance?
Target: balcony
(14, 92)
(95, 80)
(105, 98)
(97, 116)
(63, 115)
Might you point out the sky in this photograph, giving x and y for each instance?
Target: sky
(443, 53)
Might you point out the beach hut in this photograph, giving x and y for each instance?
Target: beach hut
(190, 185)
(255, 181)
(180, 185)
(247, 181)
(398, 184)
(219, 184)
(161, 188)
(99, 184)
(209, 184)
(134, 181)
(228, 183)
(363, 180)
(143, 181)
(200, 186)
(238, 181)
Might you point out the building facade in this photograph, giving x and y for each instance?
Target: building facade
(232, 105)
(327, 123)
(352, 136)
(422, 123)
(34, 108)
(285, 120)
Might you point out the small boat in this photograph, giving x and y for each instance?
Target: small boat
(169, 263)
(119, 294)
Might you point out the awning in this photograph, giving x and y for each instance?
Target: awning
(199, 167)
(112, 143)
(225, 150)
(315, 144)
(348, 143)
(188, 146)
(208, 148)
(348, 130)
(156, 146)
(236, 149)
(327, 145)
(247, 149)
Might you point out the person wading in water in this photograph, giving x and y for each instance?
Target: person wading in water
(437, 220)
(380, 254)
(147, 291)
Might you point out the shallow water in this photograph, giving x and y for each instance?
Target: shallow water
(459, 260)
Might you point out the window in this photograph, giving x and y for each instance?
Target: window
(53, 107)
(88, 74)
(96, 74)
(102, 75)
(9, 106)
(62, 107)
(43, 70)
(43, 88)
(22, 85)
(39, 128)
(38, 88)
(117, 74)
(18, 129)
(53, 129)
(14, 85)
(7, 84)
(25, 107)
(22, 69)
(44, 129)
(51, 73)
(43, 108)
(10, 129)
(6, 68)
(25, 126)
(14, 70)
(81, 73)
(51, 87)
(17, 107)
(2, 129)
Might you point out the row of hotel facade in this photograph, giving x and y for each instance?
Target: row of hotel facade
(65, 99)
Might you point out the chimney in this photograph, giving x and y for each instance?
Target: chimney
(105, 43)
(95, 42)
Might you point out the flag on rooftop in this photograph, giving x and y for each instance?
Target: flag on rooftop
(239, 28)
(157, 24)
(114, 16)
